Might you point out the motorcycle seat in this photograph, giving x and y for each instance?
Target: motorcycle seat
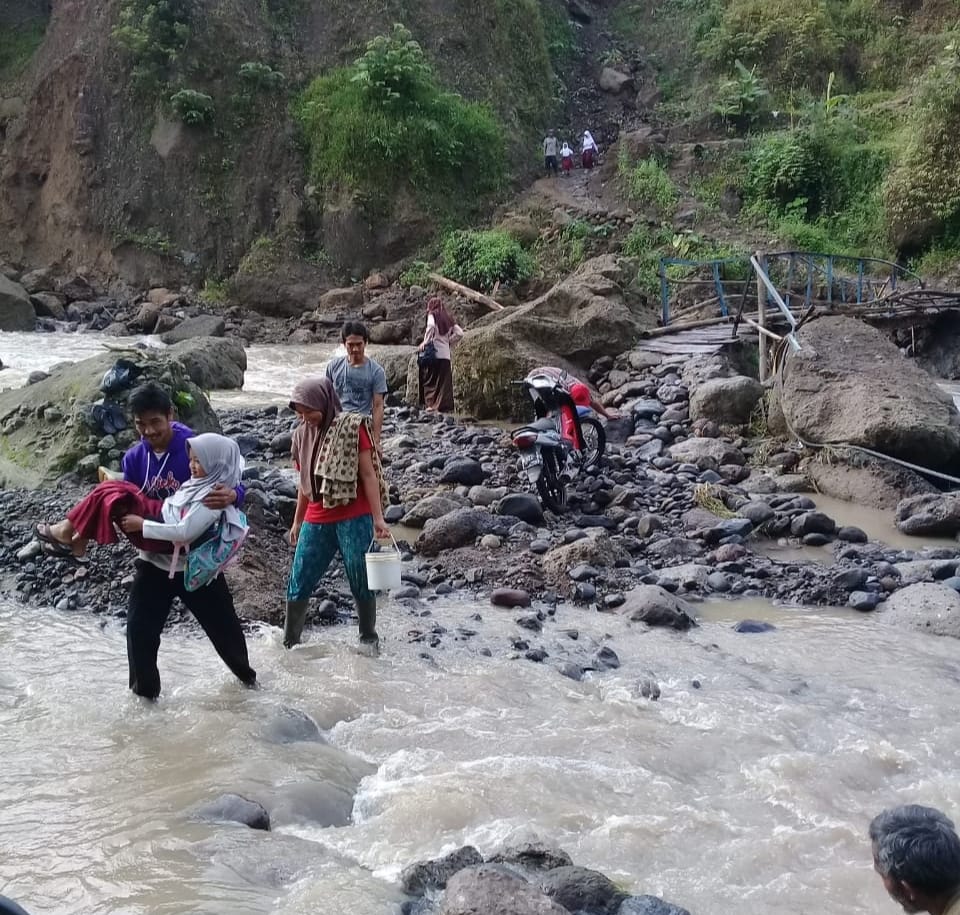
(544, 425)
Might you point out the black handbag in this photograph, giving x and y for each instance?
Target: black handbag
(427, 354)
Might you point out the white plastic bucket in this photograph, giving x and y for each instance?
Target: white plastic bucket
(383, 567)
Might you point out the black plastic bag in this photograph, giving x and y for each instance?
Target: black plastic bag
(123, 375)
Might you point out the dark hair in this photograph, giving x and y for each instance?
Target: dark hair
(917, 845)
(354, 329)
(150, 398)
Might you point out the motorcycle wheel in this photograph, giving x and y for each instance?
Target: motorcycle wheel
(550, 488)
(594, 440)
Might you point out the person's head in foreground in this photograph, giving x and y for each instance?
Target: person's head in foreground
(916, 852)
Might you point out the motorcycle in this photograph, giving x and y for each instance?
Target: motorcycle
(548, 457)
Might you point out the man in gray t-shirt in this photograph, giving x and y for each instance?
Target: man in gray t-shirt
(361, 383)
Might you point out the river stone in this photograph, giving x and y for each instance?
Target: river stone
(36, 451)
(689, 575)
(290, 725)
(430, 508)
(924, 570)
(598, 551)
(758, 513)
(669, 548)
(465, 471)
(850, 383)
(214, 363)
(615, 82)
(753, 626)
(456, 529)
(492, 889)
(532, 856)
(654, 606)
(38, 281)
(486, 495)
(48, 305)
(851, 579)
(510, 597)
(812, 523)
(521, 505)
(726, 401)
(583, 317)
(695, 450)
(930, 515)
(606, 659)
(864, 601)
(434, 874)
(317, 802)
(16, 310)
(200, 326)
(850, 534)
(579, 889)
(925, 607)
(649, 905)
(234, 808)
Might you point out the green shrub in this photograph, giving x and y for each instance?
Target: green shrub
(923, 191)
(260, 75)
(385, 121)
(742, 99)
(417, 274)
(647, 183)
(153, 32)
(17, 46)
(482, 259)
(214, 292)
(794, 42)
(194, 108)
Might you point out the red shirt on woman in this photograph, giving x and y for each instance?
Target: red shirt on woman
(317, 514)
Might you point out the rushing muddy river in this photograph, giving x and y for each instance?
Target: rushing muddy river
(747, 790)
(747, 787)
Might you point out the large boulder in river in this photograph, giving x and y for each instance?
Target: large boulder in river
(930, 515)
(850, 384)
(191, 328)
(493, 889)
(584, 317)
(453, 530)
(655, 606)
(214, 363)
(16, 310)
(49, 428)
(726, 401)
(925, 607)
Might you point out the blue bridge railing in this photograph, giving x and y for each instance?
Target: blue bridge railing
(803, 278)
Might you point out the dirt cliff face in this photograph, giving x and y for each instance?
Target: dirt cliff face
(97, 171)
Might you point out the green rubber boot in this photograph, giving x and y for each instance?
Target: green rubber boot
(367, 616)
(293, 622)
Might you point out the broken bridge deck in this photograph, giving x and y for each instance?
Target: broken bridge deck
(696, 341)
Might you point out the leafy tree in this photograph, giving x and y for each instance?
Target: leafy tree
(385, 121)
(923, 191)
(153, 32)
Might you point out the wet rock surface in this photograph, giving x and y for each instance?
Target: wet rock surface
(533, 879)
(647, 533)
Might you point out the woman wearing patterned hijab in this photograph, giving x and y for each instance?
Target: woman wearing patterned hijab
(340, 500)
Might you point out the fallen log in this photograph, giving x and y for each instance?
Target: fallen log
(466, 292)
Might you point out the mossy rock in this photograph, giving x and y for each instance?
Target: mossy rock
(35, 451)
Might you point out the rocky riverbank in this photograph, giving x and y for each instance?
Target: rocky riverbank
(679, 510)
(45, 301)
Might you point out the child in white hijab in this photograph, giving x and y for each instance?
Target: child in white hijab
(213, 459)
(589, 150)
(183, 519)
(566, 159)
